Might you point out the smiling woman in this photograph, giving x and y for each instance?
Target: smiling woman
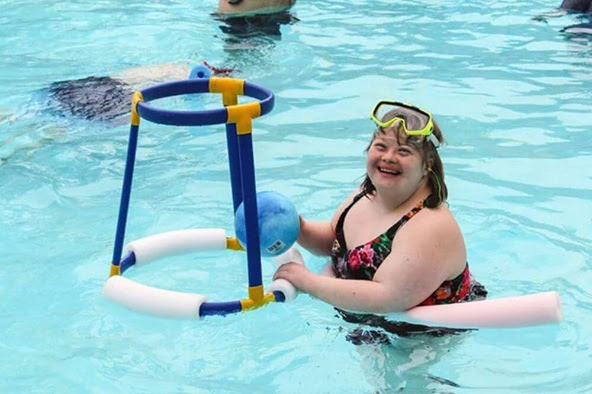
(394, 244)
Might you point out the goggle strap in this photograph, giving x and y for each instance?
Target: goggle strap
(432, 138)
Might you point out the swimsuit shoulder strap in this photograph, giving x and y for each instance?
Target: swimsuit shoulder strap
(339, 227)
(395, 227)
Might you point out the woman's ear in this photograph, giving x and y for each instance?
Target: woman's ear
(429, 162)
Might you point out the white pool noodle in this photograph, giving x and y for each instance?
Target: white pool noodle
(519, 311)
(174, 243)
(152, 300)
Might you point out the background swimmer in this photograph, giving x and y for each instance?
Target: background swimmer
(246, 7)
(581, 7)
(245, 20)
(104, 98)
(567, 7)
(108, 97)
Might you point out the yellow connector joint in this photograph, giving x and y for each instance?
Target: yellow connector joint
(115, 270)
(242, 115)
(250, 304)
(233, 244)
(229, 87)
(137, 97)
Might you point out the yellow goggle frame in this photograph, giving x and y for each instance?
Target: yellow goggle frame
(426, 131)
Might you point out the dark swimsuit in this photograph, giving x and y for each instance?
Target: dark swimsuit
(362, 262)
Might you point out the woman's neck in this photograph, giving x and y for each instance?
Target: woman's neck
(393, 200)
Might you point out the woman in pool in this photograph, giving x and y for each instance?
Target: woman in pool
(394, 244)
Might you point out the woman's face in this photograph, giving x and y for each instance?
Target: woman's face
(394, 165)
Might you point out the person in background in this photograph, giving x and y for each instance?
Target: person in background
(251, 24)
(583, 8)
(583, 29)
(250, 7)
(106, 98)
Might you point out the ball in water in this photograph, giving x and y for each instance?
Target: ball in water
(278, 223)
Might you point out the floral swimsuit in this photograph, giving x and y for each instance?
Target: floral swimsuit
(362, 261)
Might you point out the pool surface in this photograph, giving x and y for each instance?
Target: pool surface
(512, 95)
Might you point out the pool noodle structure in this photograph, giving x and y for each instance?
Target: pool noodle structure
(238, 119)
(528, 310)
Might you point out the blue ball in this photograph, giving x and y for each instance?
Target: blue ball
(278, 223)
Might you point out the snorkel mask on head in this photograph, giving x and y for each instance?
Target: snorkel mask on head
(425, 126)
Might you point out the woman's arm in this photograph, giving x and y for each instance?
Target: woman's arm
(318, 236)
(351, 295)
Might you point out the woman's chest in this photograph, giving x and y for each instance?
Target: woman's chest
(361, 226)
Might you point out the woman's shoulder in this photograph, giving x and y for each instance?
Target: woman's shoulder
(435, 233)
(437, 222)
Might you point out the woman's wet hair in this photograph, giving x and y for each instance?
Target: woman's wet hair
(429, 153)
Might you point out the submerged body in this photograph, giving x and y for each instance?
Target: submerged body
(108, 97)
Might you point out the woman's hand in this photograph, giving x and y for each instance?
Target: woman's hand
(296, 274)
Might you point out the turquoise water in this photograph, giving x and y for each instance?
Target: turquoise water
(513, 97)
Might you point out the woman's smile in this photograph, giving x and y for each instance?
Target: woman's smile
(389, 171)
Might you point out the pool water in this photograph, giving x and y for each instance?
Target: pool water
(512, 95)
